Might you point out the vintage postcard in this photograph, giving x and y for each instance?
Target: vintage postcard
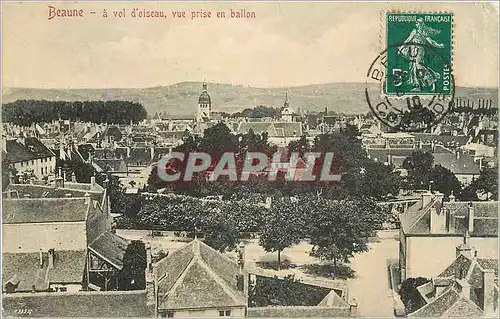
(249, 159)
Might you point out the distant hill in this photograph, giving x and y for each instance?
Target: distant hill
(182, 98)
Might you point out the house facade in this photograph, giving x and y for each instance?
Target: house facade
(431, 229)
(468, 287)
(58, 238)
(197, 281)
(29, 155)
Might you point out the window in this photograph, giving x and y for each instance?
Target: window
(224, 313)
(33, 162)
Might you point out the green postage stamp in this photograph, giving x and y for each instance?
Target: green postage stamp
(419, 53)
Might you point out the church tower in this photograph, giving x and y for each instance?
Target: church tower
(286, 111)
(204, 105)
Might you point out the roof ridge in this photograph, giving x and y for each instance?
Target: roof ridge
(462, 299)
(171, 256)
(182, 276)
(44, 198)
(228, 290)
(447, 290)
(471, 268)
(220, 254)
(424, 212)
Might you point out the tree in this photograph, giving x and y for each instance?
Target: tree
(418, 164)
(7, 170)
(487, 183)
(410, 296)
(444, 180)
(285, 292)
(221, 232)
(27, 112)
(133, 275)
(339, 229)
(372, 179)
(282, 227)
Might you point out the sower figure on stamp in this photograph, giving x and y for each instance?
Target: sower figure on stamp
(413, 49)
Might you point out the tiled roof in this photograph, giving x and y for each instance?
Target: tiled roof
(438, 306)
(47, 191)
(114, 165)
(414, 213)
(289, 128)
(274, 129)
(444, 139)
(110, 247)
(68, 268)
(463, 308)
(44, 211)
(417, 220)
(197, 276)
(463, 165)
(459, 266)
(31, 149)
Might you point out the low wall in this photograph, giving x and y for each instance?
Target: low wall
(80, 304)
(299, 311)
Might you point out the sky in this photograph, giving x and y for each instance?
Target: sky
(287, 44)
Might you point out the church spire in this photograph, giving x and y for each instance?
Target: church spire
(286, 99)
(204, 86)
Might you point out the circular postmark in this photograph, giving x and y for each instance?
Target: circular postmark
(421, 94)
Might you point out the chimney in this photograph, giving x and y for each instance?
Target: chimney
(426, 198)
(439, 197)
(353, 307)
(470, 218)
(451, 221)
(433, 146)
(51, 258)
(438, 216)
(465, 288)
(489, 292)
(65, 178)
(4, 143)
(458, 154)
(73, 177)
(241, 256)
(58, 182)
(149, 259)
(92, 181)
(452, 197)
(463, 249)
(480, 163)
(12, 179)
(155, 288)
(33, 288)
(87, 198)
(40, 259)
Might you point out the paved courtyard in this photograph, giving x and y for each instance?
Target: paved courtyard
(370, 287)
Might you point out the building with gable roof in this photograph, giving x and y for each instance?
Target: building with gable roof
(431, 223)
(468, 287)
(29, 155)
(198, 281)
(61, 235)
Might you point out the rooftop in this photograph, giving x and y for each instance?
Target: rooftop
(26, 149)
(416, 220)
(32, 210)
(110, 247)
(25, 268)
(197, 276)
